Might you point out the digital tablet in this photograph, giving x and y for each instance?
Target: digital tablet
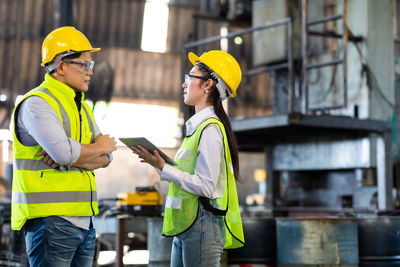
(135, 141)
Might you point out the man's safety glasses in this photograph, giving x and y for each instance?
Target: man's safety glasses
(83, 66)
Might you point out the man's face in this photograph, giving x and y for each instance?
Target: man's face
(77, 72)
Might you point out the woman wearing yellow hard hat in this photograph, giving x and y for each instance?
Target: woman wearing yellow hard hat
(202, 210)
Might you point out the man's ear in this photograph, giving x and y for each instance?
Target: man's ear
(60, 68)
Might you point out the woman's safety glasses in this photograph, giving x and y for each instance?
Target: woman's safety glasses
(188, 77)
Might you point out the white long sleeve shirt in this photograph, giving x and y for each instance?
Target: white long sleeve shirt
(208, 179)
(35, 118)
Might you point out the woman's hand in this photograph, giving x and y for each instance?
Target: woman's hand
(48, 160)
(153, 159)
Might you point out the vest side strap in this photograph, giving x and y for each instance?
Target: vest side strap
(210, 208)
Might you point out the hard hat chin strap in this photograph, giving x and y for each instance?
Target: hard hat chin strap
(222, 87)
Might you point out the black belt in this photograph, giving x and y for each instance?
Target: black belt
(208, 207)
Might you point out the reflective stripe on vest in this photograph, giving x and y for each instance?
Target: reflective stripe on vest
(30, 164)
(52, 197)
(38, 190)
(91, 125)
(66, 123)
(181, 208)
(34, 165)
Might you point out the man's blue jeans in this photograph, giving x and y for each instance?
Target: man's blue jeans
(202, 244)
(54, 241)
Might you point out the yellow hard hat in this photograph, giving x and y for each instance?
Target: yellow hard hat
(64, 40)
(222, 64)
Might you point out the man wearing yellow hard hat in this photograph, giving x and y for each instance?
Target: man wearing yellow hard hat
(57, 145)
(202, 208)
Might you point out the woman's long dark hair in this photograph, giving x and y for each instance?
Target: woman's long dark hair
(220, 112)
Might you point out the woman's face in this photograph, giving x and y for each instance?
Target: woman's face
(193, 91)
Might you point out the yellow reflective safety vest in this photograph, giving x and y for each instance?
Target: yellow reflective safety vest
(181, 207)
(38, 190)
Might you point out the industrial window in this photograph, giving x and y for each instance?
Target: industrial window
(155, 26)
(159, 124)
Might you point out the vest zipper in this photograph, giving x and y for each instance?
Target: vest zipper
(80, 139)
(80, 126)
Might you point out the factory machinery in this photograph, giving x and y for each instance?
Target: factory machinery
(328, 132)
(318, 100)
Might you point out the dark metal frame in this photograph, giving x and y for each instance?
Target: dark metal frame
(261, 133)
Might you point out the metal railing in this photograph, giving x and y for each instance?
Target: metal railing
(306, 66)
(303, 98)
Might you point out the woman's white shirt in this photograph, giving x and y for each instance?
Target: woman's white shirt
(208, 179)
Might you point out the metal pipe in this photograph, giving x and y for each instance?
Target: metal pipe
(384, 171)
(65, 13)
(290, 68)
(323, 64)
(181, 102)
(304, 89)
(266, 69)
(324, 19)
(326, 209)
(270, 181)
(326, 108)
(119, 241)
(16, 62)
(345, 42)
(238, 33)
(332, 34)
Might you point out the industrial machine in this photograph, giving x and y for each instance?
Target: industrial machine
(146, 201)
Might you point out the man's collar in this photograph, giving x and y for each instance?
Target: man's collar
(56, 84)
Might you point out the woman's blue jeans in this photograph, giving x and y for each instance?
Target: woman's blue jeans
(202, 244)
(54, 241)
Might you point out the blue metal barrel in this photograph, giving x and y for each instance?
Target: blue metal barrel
(379, 241)
(260, 243)
(316, 241)
(159, 246)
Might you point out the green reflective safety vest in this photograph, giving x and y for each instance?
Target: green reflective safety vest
(38, 190)
(181, 208)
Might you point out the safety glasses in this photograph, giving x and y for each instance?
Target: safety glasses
(81, 66)
(188, 77)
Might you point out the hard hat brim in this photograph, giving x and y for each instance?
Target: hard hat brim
(95, 49)
(91, 51)
(193, 58)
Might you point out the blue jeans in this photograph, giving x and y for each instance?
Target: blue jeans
(54, 241)
(202, 244)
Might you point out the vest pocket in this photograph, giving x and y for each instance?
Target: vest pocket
(173, 202)
(183, 153)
